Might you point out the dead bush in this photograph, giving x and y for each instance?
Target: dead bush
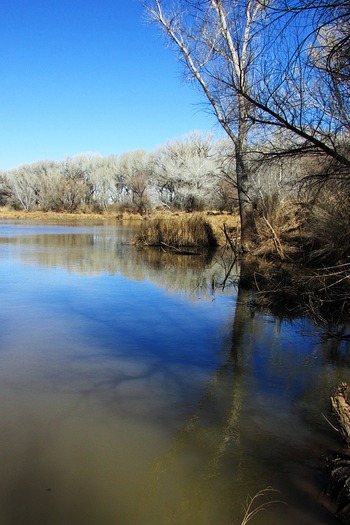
(277, 227)
(327, 229)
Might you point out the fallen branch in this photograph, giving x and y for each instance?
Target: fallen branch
(276, 240)
(177, 250)
(227, 237)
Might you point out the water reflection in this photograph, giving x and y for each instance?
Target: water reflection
(258, 421)
(135, 391)
(109, 249)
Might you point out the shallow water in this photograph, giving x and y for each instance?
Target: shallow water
(135, 391)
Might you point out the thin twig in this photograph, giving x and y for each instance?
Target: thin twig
(331, 424)
(253, 507)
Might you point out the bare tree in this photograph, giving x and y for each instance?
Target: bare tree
(47, 173)
(102, 177)
(266, 67)
(5, 189)
(66, 185)
(186, 172)
(302, 83)
(217, 41)
(22, 187)
(133, 173)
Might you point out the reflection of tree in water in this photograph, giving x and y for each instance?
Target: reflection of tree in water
(246, 432)
(213, 429)
(215, 447)
(101, 252)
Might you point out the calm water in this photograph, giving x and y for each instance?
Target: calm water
(134, 391)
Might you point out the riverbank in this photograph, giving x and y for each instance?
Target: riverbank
(10, 214)
(215, 219)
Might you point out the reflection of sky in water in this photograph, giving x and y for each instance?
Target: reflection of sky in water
(289, 345)
(102, 376)
(7, 229)
(111, 330)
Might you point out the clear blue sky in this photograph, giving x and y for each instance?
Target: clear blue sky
(88, 76)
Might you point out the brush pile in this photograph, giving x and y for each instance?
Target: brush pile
(289, 291)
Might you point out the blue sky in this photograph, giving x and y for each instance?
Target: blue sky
(88, 76)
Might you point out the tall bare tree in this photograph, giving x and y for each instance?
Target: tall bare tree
(268, 67)
(218, 42)
(133, 174)
(21, 187)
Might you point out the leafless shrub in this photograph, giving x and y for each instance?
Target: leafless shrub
(327, 230)
(286, 291)
(277, 225)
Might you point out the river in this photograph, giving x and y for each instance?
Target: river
(135, 390)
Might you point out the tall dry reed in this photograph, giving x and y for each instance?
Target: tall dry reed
(176, 232)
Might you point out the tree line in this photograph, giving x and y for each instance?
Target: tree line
(193, 173)
(276, 76)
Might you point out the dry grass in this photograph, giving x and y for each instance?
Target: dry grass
(258, 503)
(182, 231)
(219, 221)
(216, 219)
(327, 230)
(314, 233)
(277, 225)
(7, 213)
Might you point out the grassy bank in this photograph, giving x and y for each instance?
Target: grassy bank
(10, 214)
(215, 220)
(314, 234)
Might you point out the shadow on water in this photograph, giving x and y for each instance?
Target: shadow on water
(142, 392)
(258, 427)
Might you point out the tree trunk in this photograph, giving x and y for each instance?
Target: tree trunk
(243, 179)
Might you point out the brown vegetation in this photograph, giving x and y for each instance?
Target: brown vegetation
(312, 243)
(181, 231)
(327, 229)
(7, 213)
(338, 489)
(315, 232)
(291, 291)
(341, 410)
(277, 225)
